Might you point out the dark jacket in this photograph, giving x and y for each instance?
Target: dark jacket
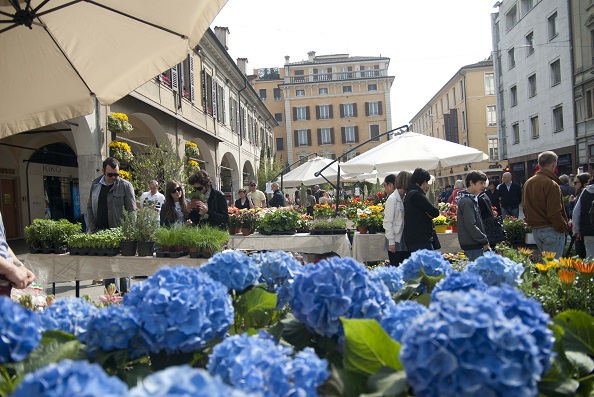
(567, 190)
(168, 222)
(494, 197)
(510, 199)
(119, 198)
(277, 200)
(471, 231)
(582, 222)
(418, 215)
(485, 205)
(240, 206)
(217, 211)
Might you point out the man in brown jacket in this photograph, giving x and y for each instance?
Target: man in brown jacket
(543, 206)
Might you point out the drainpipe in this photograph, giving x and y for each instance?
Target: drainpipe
(572, 80)
(240, 141)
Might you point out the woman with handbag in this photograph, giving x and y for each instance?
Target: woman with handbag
(493, 225)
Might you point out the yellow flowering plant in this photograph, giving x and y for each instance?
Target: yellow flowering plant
(118, 123)
(121, 151)
(440, 220)
(191, 149)
(125, 175)
(120, 146)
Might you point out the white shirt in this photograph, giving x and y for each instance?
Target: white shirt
(147, 198)
(394, 218)
(257, 197)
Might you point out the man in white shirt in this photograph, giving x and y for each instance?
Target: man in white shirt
(257, 196)
(152, 197)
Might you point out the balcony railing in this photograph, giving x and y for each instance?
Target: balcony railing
(335, 76)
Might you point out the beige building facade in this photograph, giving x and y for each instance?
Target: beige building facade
(464, 111)
(327, 104)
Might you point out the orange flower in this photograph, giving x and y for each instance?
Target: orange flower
(566, 276)
(587, 268)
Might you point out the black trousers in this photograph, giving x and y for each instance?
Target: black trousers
(396, 258)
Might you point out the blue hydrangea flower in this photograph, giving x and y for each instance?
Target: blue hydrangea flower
(399, 318)
(257, 364)
(69, 315)
(180, 309)
(516, 305)
(183, 381)
(465, 345)
(309, 372)
(496, 269)
(234, 269)
(115, 328)
(391, 276)
(333, 288)
(278, 270)
(459, 281)
(19, 333)
(68, 379)
(431, 262)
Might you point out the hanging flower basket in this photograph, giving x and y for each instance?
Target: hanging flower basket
(121, 151)
(118, 123)
(192, 166)
(192, 150)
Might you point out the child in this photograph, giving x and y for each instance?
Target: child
(471, 231)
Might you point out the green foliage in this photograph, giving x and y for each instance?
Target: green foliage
(208, 238)
(279, 221)
(329, 224)
(255, 308)
(128, 225)
(147, 223)
(516, 229)
(160, 162)
(268, 169)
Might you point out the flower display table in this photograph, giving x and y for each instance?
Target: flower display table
(300, 242)
(370, 247)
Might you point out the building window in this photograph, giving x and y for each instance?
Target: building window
(280, 144)
(325, 136)
(343, 75)
(491, 116)
(324, 112)
(300, 92)
(371, 87)
(374, 132)
(530, 43)
(301, 113)
(461, 90)
(589, 104)
(463, 121)
(348, 110)
(441, 105)
(349, 134)
(558, 119)
(534, 130)
(263, 94)
(302, 138)
(513, 96)
(556, 72)
(552, 24)
(373, 109)
(511, 18)
(454, 95)
(323, 91)
(532, 85)
(448, 102)
(299, 77)
(527, 6)
(279, 118)
(493, 147)
(512, 58)
(516, 132)
(489, 84)
(347, 88)
(277, 94)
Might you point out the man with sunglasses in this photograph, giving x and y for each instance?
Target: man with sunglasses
(212, 210)
(257, 196)
(110, 197)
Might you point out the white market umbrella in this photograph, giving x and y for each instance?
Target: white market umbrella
(410, 150)
(56, 56)
(305, 172)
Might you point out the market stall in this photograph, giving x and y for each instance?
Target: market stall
(300, 242)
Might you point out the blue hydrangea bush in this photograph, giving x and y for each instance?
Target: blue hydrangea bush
(69, 378)
(466, 345)
(401, 317)
(278, 269)
(334, 288)
(180, 309)
(70, 315)
(19, 331)
(459, 281)
(391, 276)
(496, 270)
(234, 269)
(257, 364)
(432, 263)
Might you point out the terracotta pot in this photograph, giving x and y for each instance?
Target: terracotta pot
(232, 230)
(454, 228)
(246, 231)
(362, 229)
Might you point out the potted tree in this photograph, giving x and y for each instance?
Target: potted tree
(147, 224)
(129, 234)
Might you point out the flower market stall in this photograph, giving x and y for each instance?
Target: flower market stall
(300, 242)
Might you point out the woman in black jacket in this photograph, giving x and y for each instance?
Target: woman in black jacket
(243, 202)
(213, 210)
(175, 209)
(419, 213)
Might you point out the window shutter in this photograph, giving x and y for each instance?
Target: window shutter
(319, 136)
(341, 111)
(231, 118)
(294, 114)
(203, 76)
(296, 136)
(354, 110)
(307, 113)
(343, 133)
(309, 136)
(214, 99)
(174, 79)
(366, 108)
(331, 113)
(332, 135)
(191, 67)
(356, 134)
(350, 69)
(317, 112)
(379, 108)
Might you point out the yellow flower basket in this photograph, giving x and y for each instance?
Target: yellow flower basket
(118, 123)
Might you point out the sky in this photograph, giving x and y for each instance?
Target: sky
(428, 41)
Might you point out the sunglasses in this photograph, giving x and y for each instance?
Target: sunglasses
(178, 189)
(253, 184)
(199, 188)
(113, 174)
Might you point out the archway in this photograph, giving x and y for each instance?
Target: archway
(248, 174)
(229, 174)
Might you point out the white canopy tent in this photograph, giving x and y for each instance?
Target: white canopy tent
(304, 174)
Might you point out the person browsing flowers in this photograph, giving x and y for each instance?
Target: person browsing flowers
(213, 209)
(395, 188)
(243, 201)
(175, 209)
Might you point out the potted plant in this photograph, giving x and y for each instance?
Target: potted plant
(121, 151)
(62, 230)
(195, 198)
(249, 221)
(303, 223)
(279, 221)
(192, 150)
(211, 240)
(328, 226)
(107, 242)
(118, 123)
(516, 230)
(234, 221)
(362, 222)
(33, 236)
(129, 234)
(441, 223)
(147, 224)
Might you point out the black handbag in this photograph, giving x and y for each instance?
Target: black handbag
(435, 241)
(494, 230)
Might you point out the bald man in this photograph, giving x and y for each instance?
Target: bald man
(511, 196)
(278, 199)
